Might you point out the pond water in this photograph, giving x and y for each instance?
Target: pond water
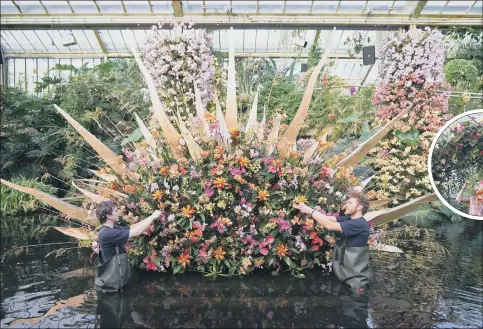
(435, 283)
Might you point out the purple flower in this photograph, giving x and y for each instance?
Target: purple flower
(353, 90)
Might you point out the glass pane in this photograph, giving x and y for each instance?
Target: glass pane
(216, 6)
(244, 6)
(34, 40)
(162, 6)
(271, 6)
(298, 7)
(30, 7)
(118, 40)
(31, 73)
(82, 41)
(57, 7)
(379, 7)
(433, 7)
(273, 40)
(129, 39)
(191, 6)
(261, 42)
(325, 6)
(403, 7)
(83, 7)
(458, 7)
(140, 36)
(7, 7)
(42, 68)
(22, 41)
(64, 74)
(92, 40)
(137, 6)
(108, 7)
(11, 71)
(7, 42)
(20, 73)
(108, 42)
(477, 8)
(250, 36)
(351, 6)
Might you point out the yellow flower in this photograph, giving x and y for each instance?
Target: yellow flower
(184, 259)
(281, 250)
(263, 195)
(219, 253)
(188, 211)
(300, 199)
(244, 162)
(157, 195)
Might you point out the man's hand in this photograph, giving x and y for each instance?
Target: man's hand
(330, 239)
(303, 208)
(95, 247)
(156, 214)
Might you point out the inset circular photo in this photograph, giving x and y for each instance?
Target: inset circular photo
(455, 164)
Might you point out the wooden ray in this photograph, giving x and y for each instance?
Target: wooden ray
(92, 196)
(200, 111)
(193, 148)
(78, 233)
(261, 125)
(252, 117)
(273, 136)
(111, 158)
(108, 191)
(224, 132)
(379, 203)
(67, 209)
(167, 127)
(310, 152)
(360, 152)
(145, 132)
(75, 301)
(78, 273)
(298, 121)
(384, 216)
(231, 106)
(107, 177)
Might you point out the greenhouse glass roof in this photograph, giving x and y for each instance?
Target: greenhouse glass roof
(36, 32)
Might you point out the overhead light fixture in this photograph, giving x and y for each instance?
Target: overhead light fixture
(69, 40)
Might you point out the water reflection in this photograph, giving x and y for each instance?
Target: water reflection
(424, 287)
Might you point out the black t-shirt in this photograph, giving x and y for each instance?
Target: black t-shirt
(355, 231)
(109, 238)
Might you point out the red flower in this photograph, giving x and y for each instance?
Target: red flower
(264, 251)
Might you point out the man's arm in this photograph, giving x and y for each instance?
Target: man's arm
(459, 197)
(139, 228)
(322, 220)
(329, 222)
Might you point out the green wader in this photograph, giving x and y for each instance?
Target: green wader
(114, 274)
(351, 265)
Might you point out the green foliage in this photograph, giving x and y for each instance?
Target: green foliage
(14, 202)
(31, 136)
(331, 105)
(462, 73)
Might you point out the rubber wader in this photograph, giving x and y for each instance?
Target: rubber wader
(351, 265)
(114, 274)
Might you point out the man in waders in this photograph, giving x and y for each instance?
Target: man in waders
(351, 252)
(112, 268)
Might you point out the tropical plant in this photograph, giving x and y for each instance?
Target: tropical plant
(409, 79)
(175, 61)
(226, 191)
(461, 73)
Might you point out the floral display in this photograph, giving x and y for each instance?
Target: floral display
(416, 51)
(410, 73)
(175, 59)
(225, 189)
(458, 155)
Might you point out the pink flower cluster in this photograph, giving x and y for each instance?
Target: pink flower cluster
(415, 51)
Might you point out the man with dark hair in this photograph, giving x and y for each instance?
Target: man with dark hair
(351, 252)
(112, 235)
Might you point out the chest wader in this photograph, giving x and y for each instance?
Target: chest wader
(114, 274)
(351, 265)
